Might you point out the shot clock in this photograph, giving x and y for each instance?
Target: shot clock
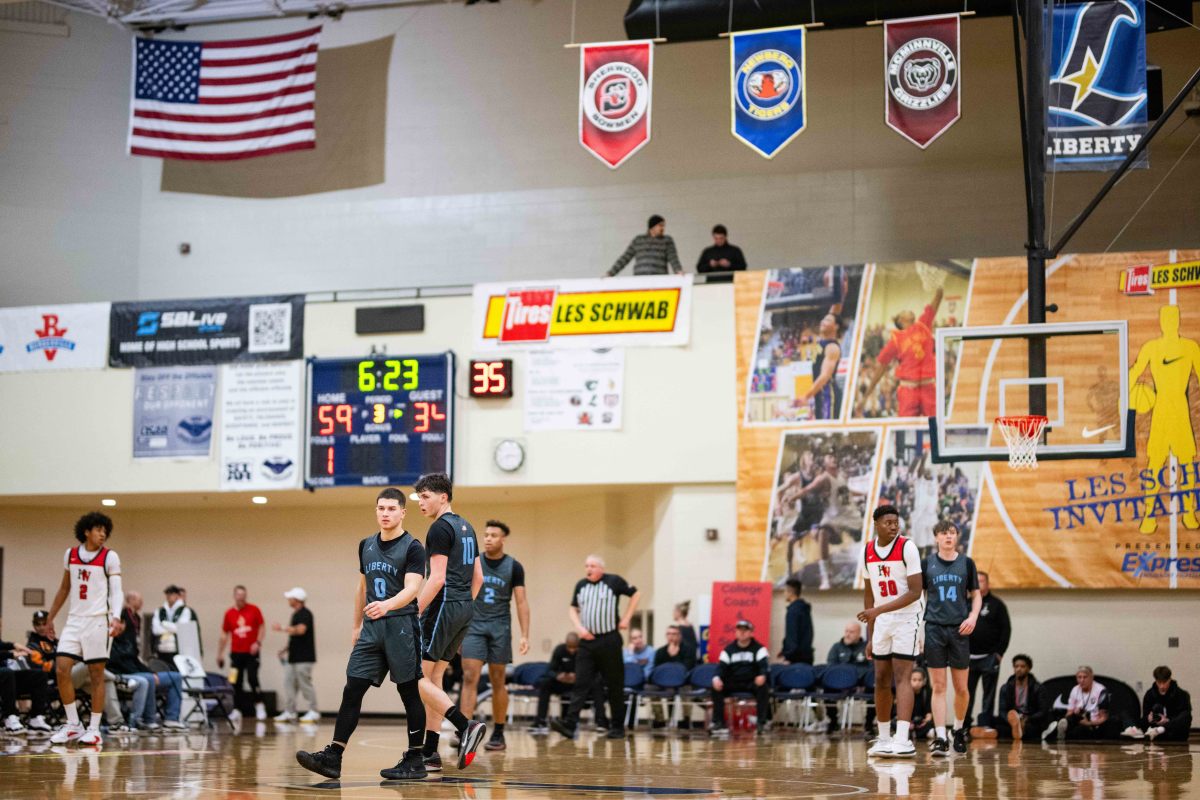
(379, 421)
(491, 378)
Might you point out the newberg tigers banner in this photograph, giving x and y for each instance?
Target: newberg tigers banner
(768, 99)
(614, 99)
(922, 74)
(1097, 92)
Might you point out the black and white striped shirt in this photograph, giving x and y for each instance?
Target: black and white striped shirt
(597, 602)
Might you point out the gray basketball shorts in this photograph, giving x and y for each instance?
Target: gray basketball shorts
(390, 644)
(946, 647)
(444, 627)
(490, 641)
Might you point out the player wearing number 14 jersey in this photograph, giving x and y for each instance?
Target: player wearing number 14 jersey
(892, 611)
(92, 581)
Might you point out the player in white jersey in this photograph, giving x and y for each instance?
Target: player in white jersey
(892, 611)
(92, 581)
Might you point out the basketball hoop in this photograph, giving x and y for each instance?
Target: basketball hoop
(931, 277)
(1021, 434)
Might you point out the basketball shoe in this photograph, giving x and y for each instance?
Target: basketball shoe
(410, 768)
(327, 763)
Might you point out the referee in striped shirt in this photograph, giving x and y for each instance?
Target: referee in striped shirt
(594, 613)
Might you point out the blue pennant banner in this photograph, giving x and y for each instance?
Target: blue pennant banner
(767, 93)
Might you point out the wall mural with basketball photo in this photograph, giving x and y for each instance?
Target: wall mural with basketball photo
(801, 360)
(818, 507)
(1097, 521)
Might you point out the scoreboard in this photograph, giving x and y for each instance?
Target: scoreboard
(383, 420)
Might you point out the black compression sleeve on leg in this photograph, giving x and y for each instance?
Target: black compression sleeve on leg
(414, 709)
(456, 719)
(347, 718)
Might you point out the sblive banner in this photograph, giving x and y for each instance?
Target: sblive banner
(922, 76)
(260, 425)
(67, 336)
(614, 99)
(216, 331)
(733, 601)
(173, 411)
(647, 310)
(768, 99)
(1097, 91)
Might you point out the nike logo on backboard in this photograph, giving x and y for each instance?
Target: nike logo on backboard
(1171, 360)
(1088, 433)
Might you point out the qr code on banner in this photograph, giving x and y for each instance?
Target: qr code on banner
(270, 328)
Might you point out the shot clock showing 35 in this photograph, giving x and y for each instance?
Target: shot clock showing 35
(379, 420)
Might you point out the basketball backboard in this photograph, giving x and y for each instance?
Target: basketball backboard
(985, 372)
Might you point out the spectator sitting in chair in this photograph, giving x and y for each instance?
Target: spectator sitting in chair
(1087, 711)
(560, 680)
(744, 666)
(673, 652)
(31, 681)
(123, 660)
(165, 623)
(638, 652)
(1166, 711)
(922, 716)
(1020, 702)
(850, 649)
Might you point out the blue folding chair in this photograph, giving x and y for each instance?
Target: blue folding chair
(666, 681)
(793, 684)
(635, 679)
(838, 683)
(523, 684)
(699, 684)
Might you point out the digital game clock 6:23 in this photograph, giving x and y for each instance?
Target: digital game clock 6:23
(381, 420)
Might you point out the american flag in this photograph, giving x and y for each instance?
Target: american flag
(218, 101)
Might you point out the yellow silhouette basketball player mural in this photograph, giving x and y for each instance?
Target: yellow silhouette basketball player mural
(1171, 359)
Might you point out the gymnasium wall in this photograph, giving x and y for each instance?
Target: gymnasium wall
(75, 428)
(486, 181)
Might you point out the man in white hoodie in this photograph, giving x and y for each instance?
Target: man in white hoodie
(166, 623)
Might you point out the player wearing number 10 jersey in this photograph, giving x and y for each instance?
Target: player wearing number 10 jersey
(92, 580)
(892, 611)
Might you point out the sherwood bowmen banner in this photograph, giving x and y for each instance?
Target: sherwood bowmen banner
(922, 76)
(1097, 93)
(768, 100)
(614, 99)
(610, 312)
(214, 331)
(67, 336)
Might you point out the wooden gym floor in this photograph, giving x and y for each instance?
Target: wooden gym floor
(782, 765)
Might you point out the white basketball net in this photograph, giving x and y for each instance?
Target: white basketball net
(1022, 434)
(931, 277)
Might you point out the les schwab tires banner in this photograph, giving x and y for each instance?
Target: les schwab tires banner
(608, 312)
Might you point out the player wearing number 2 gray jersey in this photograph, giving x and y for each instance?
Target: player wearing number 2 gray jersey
(446, 604)
(489, 639)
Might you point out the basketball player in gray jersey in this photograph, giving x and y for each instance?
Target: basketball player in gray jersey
(446, 605)
(386, 638)
(489, 639)
(952, 603)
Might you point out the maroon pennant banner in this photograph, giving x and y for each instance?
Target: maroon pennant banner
(614, 99)
(922, 76)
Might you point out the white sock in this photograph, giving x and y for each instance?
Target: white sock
(958, 723)
(72, 714)
(885, 730)
(94, 724)
(940, 732)
(902, 730)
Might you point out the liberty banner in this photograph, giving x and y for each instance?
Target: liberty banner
(1097, 93)
(614, 99)
(922, 76)
(768, 100)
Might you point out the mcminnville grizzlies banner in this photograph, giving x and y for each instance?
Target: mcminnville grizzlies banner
(1097, 92)
(920, 59)
(216, 331)
(614, 99)
(768, 97)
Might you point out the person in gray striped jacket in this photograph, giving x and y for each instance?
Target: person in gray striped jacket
(652, 253)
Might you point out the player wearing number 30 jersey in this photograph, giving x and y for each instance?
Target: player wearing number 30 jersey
(892, 611)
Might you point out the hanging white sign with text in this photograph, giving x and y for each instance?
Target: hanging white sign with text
(574, 390)
(260, 425)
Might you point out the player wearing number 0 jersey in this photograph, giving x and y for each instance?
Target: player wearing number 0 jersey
(446, 604)
(489, 638)
(892, 611)
(91, 581)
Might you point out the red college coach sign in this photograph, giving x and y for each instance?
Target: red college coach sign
(614, 99)
(735, 600)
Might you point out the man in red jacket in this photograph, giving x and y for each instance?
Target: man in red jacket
(243, 631)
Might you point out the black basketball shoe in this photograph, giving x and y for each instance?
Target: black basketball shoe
(433, 762)
(410, 768)
(960, 740)
(327, 762)
(496, 742)
(940, 748)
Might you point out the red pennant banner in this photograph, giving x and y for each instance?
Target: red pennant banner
(614, 99)
(922, 75)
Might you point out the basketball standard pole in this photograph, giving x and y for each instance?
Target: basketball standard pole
(1033, 151)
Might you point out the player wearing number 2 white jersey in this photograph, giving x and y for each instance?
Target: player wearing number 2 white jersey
(892, 611)
(92, 583)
